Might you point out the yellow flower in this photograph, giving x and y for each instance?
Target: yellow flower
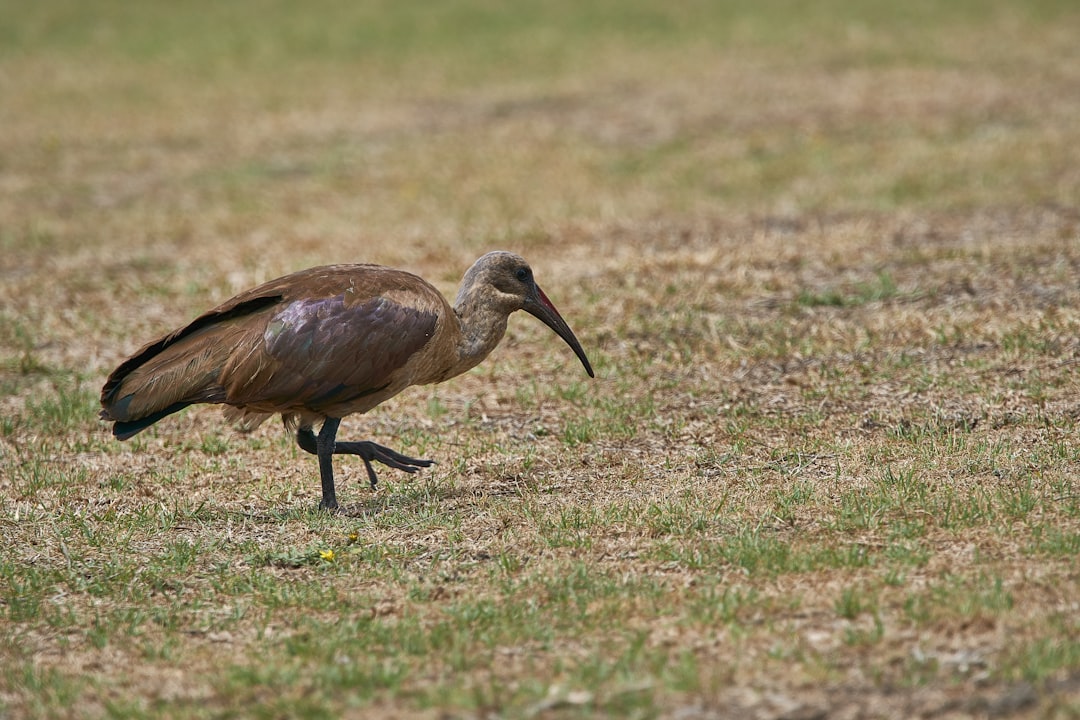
(354, 536)
(327, 555)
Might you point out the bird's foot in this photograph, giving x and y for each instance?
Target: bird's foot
(369, 451)
(365, 449)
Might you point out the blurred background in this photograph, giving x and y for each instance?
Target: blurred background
(321, 129)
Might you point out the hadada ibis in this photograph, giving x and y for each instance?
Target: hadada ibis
(324, 343)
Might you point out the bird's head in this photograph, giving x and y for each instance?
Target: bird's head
(506, 281)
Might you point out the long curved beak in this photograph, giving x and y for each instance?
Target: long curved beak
(538, 305)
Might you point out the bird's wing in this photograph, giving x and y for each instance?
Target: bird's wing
(304, 340)
(328, 347)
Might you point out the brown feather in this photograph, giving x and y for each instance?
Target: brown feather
(328, 340)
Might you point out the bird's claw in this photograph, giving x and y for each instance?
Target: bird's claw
(396, 460)
(369, 451)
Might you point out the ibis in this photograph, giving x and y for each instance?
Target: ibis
(327, 342)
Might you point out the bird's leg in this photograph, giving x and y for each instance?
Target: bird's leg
(366, 450)
(324, 448)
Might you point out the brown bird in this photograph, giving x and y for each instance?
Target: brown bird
(324, 343)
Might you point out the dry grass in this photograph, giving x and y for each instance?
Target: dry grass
(826, 264)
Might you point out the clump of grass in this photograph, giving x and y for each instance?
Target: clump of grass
(882, 288)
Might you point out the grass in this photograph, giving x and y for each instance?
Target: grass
(823, 258)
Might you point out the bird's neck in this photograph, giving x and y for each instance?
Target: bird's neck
(482, 327)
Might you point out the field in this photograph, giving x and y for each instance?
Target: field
(825, 258)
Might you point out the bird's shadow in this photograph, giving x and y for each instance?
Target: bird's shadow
(416, 500)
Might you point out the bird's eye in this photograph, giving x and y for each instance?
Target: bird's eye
(522, 274)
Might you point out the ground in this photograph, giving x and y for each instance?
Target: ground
(825, 261)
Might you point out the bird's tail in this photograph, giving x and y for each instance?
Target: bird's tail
(164, 377)
(182, 368)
